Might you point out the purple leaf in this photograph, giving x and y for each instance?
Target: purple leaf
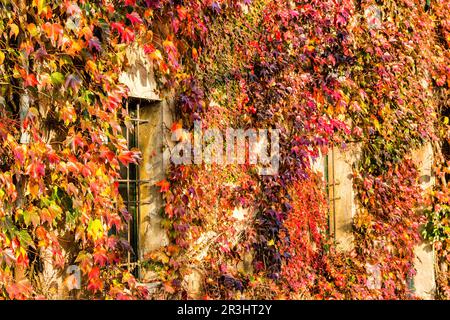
(95, 43)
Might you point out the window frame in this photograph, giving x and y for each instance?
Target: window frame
(132, 198)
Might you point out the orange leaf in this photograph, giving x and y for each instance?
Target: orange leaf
(176, 126)
(127, 157)
(30, 80)
(14, 30)
(168, 287)
(164, 185)
(53, 31)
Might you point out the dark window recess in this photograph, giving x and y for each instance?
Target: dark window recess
(446, 145)
(130, 182)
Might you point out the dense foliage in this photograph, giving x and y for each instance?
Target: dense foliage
(372, 73)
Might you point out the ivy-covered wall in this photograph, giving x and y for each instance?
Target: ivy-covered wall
(324, 73)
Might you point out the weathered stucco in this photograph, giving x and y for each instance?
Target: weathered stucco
(424, 280)
(342, 160)
(139, 77)
(339, 162)
(151, 235)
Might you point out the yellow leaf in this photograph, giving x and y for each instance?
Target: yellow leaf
(99, 173)
(31, 27)
(91, 66)
(271, 242)
(33, 190)
(156, 55)
(330, 110)
(54, 210)
(376, 123)
(54, 176)
(40, 5)
(14, 30)
(52, 65)
(77, 46)
(2, 57)
(95, 229)
(16, 72)
(22, 252)
(158, 256)
(33, 111)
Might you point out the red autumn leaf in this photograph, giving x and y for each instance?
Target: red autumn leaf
(127, 157)
(94, 273)
(95, 284)
(113, 102)
(169, 210)
(19, 290)
(118, 26)
(182, 12)
(53, 158)
(19, 154)
(30, 80)
(122, 296)
(94, 187)
(22, 259)
(100, 256)
(164, 184)
(128, 35)
(86, 171)
(36, 169)
(114, 220)
(106, 153)
(176, 126)
(41, 233)
(134, 18)
(78, 141)
(149, 48)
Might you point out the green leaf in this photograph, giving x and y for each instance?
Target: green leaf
(57, 78)
(40, 5)
(26, 218)
(31, 217)
(72, 217)
(25, 238)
